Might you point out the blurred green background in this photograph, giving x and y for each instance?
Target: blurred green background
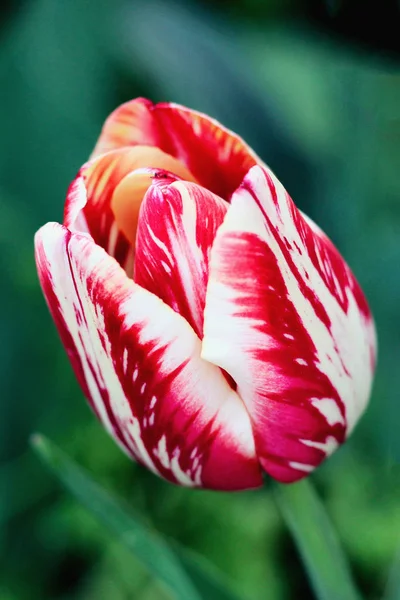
(322, 108)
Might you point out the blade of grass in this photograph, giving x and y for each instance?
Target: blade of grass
(316, 540)
(184, 573)
(148, 547)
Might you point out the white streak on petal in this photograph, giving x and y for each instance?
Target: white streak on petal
(180, 475)
(161, 452)
(125, 360)
(301, 361)
(329, 409)
(166, 266)
(197, 476)
(328, 446)
(160, 244)
(301, 467)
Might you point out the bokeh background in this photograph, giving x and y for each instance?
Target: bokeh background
(318, 97)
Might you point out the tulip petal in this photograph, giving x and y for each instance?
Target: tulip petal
(139, 364)
(287, 320)
(177, 226)
(88, 203)
(218, 158)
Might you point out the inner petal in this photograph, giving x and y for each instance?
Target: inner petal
(218, 158)
(129, 193)
(176, 230)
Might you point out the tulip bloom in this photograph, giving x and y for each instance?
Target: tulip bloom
(214, 329)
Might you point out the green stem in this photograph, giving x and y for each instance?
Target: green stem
(316, 540)
(392, 591)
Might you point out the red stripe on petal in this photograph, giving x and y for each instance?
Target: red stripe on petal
(218, 158)
(89, 202)
(139, 364)
(286, 318)
(177, 227)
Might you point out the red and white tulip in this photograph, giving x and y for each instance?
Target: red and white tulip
(215, 330)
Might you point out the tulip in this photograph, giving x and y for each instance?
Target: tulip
(215, 330)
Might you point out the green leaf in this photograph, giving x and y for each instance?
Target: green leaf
(146, 545)
(316, 541)
(194, 580)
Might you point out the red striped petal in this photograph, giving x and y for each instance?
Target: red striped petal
(177, 227)
(218, 158)
(286, 318)
(139, 365)
(88, 203)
